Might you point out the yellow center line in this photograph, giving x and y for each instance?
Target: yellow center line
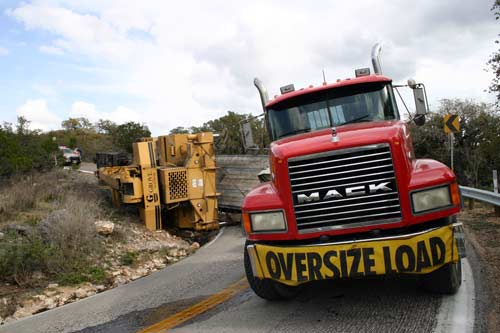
(197, 309)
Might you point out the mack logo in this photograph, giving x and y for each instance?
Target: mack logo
(347, 192)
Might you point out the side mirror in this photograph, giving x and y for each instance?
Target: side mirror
(421, 106)
(247, 135)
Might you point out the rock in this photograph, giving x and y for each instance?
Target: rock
(62, 300)
(2, 235)
(125, 272)
(116, 273)
(100, 287)
(91, 293)
(195, 246)
(104, 227)
(80, 293)
(177, 252)
(119, 280)
(53, 285)
(20, 229)
(50, 293)
(50, 303)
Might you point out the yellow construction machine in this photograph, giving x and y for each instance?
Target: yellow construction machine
(171, 179)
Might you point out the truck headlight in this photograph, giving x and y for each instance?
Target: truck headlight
(268, 221)
(435, 198)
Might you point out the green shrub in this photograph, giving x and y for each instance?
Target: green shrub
(24, 150)
(97, 274)
(94, 274)
(71, 278)
(128, 258)
(21, 256)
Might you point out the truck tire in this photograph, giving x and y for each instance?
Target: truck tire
(445, 280)
(266, 288)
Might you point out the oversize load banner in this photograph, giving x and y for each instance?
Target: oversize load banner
(420, 254)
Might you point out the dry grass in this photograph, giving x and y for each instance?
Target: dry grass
(48, 221)
(37, 191)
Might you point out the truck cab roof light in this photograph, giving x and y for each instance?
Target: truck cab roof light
(362, 72)
(286, 89)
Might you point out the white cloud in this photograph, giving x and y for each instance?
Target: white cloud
(188, 66)
(119, 115)
(3, 51)
(51, 50)
(46, 90)
(37, 112)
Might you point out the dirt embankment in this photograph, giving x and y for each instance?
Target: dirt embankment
(483, 234)
(60, 241)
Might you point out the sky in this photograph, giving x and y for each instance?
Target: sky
(182, 63)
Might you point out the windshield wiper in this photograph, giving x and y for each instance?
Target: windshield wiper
(356, 120)
(303, 130)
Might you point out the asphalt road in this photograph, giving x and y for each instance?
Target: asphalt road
(341, 306)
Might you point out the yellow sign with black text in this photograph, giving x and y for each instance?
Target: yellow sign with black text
(420, 254)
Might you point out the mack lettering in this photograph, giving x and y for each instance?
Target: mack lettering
(344, 192)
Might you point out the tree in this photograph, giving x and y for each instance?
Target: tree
(22, 126)
(476, 146)
(179, 130)
(228, 128)
(24, 150)
(77, 124)
(494, 61)
(128, 133)
(105, 126)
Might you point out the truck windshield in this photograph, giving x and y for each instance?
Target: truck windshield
(334, 107)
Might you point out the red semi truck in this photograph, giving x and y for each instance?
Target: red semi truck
(347, 197)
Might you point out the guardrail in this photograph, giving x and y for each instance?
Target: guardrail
(481, 195)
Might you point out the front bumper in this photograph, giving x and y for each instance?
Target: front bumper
(415, 253)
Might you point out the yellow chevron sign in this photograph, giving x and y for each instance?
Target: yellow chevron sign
(451, 123)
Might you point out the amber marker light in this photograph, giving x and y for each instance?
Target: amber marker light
(455, 194)
(246, 223)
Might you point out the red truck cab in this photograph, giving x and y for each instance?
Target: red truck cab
(347, 197)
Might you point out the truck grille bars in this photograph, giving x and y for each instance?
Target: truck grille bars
(344, 189)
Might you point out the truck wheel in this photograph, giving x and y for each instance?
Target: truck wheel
(266, 288)
(445, 280)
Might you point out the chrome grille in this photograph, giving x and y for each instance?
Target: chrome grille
(344, 189)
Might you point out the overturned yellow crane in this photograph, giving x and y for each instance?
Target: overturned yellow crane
(171, 178)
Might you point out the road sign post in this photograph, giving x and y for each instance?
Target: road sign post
(495, 189)
(451, 125)
(452, 142)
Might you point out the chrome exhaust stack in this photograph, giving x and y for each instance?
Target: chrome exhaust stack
(264, 97)
(376, 49)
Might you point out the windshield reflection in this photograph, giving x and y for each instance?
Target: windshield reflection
(334, 107)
